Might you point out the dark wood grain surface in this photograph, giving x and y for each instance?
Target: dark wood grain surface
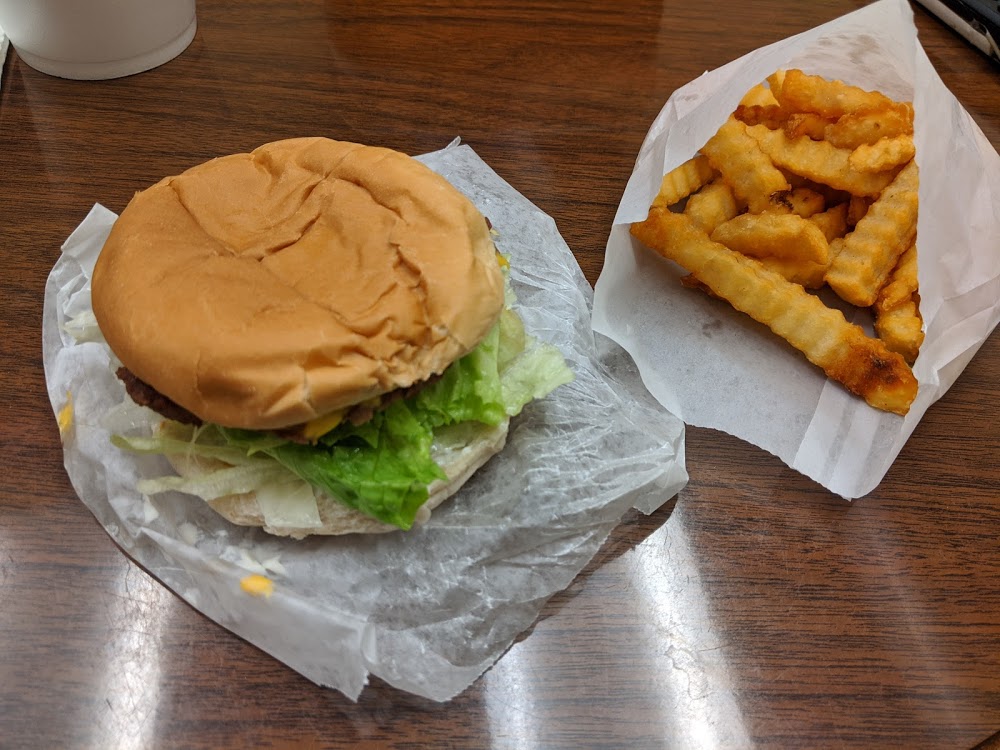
(753, 610)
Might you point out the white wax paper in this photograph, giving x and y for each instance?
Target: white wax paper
(4, 44)
(713, 366)
(428, 610)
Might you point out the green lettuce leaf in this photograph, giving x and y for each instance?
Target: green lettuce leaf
(533, 374)
(382, 468)
(468, 391)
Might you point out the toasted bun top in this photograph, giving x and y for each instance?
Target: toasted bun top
(262, 290)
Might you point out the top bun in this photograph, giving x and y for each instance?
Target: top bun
(263, 290)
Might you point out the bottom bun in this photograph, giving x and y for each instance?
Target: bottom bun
(467, 448)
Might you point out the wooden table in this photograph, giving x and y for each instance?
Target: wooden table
(754, 610)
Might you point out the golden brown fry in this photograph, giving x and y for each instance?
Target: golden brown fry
(739, 159)
(803, 272)
(831, 99)
(856, 209)
(902, 282)
(785, 236)
(897, 309)
(712, 205)
(774, 82)
(681, 181)
(819, 161)
(758, 96)
(901, 328)
(802, 201)
(806, 123)
(771, 115)
(853, 130)
(887, 153)
(832, 196)
(862, 364)
(836, 246)
(870, 252)
(832, 222)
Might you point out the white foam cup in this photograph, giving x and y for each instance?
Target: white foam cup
(95, 39)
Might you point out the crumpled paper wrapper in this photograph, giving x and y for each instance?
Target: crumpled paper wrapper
(713, 366)
(4, 45)
(429, 610)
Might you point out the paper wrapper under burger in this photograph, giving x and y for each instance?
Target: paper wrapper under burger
(431, 609)
(716, 368)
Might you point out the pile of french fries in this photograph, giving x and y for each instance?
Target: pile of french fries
(809, 183)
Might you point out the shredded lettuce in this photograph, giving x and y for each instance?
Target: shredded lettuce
(468, 391)
(382, 468)
(512, 339)
(534, 374)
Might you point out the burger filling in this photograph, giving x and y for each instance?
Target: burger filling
(144, 394)
(376, 457)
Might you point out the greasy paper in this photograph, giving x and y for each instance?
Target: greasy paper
(428, 610)
(713, 366)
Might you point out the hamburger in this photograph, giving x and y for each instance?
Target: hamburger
(326, 331)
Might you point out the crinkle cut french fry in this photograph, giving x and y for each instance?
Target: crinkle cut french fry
(901, 328)
(862, 364)
(771, 115)
(836, 245)
(758, 96)
(902, 282)
(775, 81)
(739, 158)
(785, 243)
(887, 153)
(803, 272)
(819, 161)
(801, 201)
(831, 99)
(897, 309)
(785, 236)
(856, 209)
(853, 130)
(832, 222)
(712, 205)
(681, 181)
(806, 123)
(870, 252)
(831, 196)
